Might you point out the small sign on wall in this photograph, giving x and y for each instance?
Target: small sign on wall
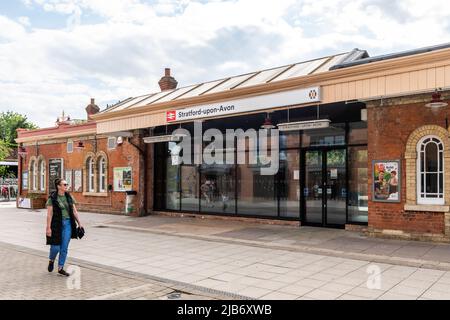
(123, 179)
(25, 180)
(68, 178)
(55, 170)
(386, 180)
(77, 181)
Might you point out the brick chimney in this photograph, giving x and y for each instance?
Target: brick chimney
(167, 82)
(92, 108)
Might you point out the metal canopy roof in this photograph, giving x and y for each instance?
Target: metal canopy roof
(295, 70)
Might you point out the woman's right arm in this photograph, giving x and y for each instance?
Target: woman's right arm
(49, 221)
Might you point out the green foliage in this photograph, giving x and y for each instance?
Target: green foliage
(4, 150)
(9, 122)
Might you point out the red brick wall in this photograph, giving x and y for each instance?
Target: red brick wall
(388, 130)
(125, 155)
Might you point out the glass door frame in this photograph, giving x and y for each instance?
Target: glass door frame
(303, 213)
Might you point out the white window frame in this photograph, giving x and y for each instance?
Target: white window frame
(115, 143)
(102, 175)
(42, 175)
(90, 174)
(420, 153)
(70, 146)
(33, 174)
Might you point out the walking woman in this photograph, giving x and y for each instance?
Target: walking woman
(61, 227)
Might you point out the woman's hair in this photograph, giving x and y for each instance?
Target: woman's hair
(57, 182)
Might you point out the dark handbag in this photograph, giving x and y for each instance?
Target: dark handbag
(80, 232)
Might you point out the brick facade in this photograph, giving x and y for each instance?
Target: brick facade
(124, 155)
(394, 128)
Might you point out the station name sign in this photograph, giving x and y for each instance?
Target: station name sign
(304, 125)
(279, 99)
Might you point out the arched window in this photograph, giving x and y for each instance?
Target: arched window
(430, 171)
(33, 175)
(101, 174)
(90, 174)
(42, 175)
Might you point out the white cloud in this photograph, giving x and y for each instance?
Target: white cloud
(25, 21)
(124, 52)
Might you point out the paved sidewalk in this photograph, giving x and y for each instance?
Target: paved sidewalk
(331, 242)
(245, 269)
(23, 276)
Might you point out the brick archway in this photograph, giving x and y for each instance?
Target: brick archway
(411, 160)
(86, 171)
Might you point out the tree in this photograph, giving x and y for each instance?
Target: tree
(9, 122)
(4, 150)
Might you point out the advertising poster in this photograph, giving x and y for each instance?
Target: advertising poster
(55, 170)
(122, 179)
(25, 180)
(68, 178)
(386, 180)
(77, 181)
(24, 203)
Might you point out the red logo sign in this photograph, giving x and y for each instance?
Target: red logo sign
(171, 116)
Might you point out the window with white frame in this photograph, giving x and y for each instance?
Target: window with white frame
(42, 175)
(33, 175)
(102, 174)
(90, 174)
(430, 171)
(112, 143)
(69, 146)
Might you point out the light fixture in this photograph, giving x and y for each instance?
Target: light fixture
(267, 123)
(80, 145)
(436, 101)
(119, 140)
(22, 151)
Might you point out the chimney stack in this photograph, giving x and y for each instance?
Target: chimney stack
(167, 82)
(92, 108)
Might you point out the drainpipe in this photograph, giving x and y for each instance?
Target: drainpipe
(143, 154)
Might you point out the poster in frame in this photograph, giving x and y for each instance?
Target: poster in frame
(386, 183)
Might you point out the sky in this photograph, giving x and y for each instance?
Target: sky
(57, 54)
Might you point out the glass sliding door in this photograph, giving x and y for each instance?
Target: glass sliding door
(325, 191)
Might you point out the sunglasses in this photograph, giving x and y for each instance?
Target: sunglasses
(64, 184)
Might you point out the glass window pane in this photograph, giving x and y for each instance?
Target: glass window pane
(441, 187)
(256, 192)
(218, 188)
(422, 182)
(172, 185)
(431, 157)
(290, 139)
(189, 188)
(358, 184)
(334, 135)
(357, 133)
(422, 161)
(431, 183)
(289, 183)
